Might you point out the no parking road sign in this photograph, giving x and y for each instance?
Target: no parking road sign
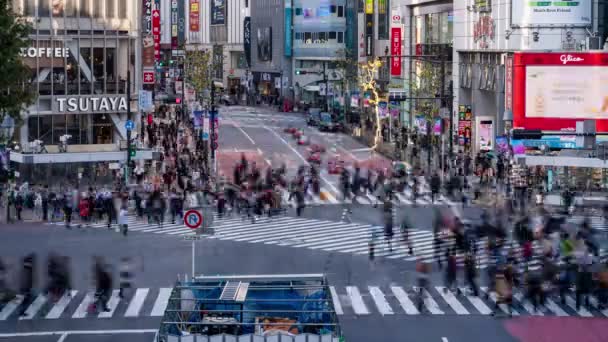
(193, 219)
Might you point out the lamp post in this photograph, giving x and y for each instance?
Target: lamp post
(7, 128)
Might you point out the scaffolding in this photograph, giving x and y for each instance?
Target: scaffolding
(251, 308)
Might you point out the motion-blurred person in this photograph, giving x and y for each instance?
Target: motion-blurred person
(27, 282)
(123, 219)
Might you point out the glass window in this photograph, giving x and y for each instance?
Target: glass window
(98, 12)
(122, 9)
(383, 19)
(70, 8)
(32, 128)
(340, 11)
(72, 128)
(420, 33)
(45, 129)
(29, 8)
(85, 8)
(307, 37)
(323, 37)
(332, 35)
(110, 65)
(44, 10)
(299, 11)
(110, 9)
(340, 37)
(332, 8)
(98, 62)
(298, 35)
(71, 71)
(58, 128)
(85, 82)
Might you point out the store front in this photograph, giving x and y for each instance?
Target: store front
(266, 88)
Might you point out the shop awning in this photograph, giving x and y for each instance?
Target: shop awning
(312, 88)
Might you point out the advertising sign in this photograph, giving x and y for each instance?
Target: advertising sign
(437, 126)
(145, 101)
(354, 100)
(552, 91)
(206, 127)
(369, 34)
(383, 109)
(195, 15)
(90, 104)
(551, 13)
(508, 83)
(396, 51)
(147, 16)
(181, 23)
(420, 123)
(198, 119)
(247, 39)
(288, 24)
(218, 12)
(464, 133)
(156, 33)
(369, 6)
(361, 33)
(174, 23)
(148, 76)
(265, 43)
(148, 51)
(485, 135)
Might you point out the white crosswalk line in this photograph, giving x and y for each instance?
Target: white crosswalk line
(61, 304)
(81, 311)
(526, 305)
(36, 305)
(582, 311)
(136, 302)
(306, 232)
(556, 309)
(356, 300)
(404, 300)
(112, 305)
(162, 300)
(331, 198)
(9, 308)
(336, 301)
(381, 303)
(431, 304)
(502, 307)
(452, 301)
(479, 305)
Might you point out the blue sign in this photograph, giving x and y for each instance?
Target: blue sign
(198, 118)
(288, 25)
(129, 125)
(205, 135)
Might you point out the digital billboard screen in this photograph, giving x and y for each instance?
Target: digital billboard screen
(573, 92)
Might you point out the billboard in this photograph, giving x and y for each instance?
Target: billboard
(551, 13)
(247, 39)
(288, 25)
(264, 43)
(552, 91)
(195, 13)
(218, 12)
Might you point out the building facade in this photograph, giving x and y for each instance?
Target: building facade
(80, 54)
(487, 36)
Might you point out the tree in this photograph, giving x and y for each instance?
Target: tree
(198, 69)
(426, 83)
(16, 90)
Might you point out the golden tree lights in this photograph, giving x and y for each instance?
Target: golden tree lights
(367, 81)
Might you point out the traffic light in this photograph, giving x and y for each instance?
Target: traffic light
(301, 72)
(132, 150)
(178, 100)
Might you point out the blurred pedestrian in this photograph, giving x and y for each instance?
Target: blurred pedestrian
(123, 219)
(27, 282)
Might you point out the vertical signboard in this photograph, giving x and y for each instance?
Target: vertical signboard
(395, 43)
(247, 39)
(361, 35)
(147, 16)
(174, 22)
(195, 14)
(288, 24)
(509, 83)
(156, 33)
(218, 12)
(181, 23)
(369, 28)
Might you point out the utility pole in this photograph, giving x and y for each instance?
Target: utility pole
(326, 86)
(443, 103)
(129, 147)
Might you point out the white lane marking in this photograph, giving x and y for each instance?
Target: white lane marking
(381, 303)
(356, 300)
(136, 303)
(63, 337)
(405, 301)
(112, 305)
(61, 304)
(452, 301)
(336, 300)
(11, 306)
(431, 304)
(477, 303)
(243, 131)
(444, 339)
(81, 311)
(161, 302)
(34, 307)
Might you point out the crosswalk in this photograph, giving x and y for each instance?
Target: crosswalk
(400, 198)
(387, 300)
(320, 235)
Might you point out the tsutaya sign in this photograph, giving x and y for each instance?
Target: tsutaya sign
(49, 52)
(90, 104)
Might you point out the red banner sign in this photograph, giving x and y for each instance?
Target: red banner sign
(195, 14)
(508, 83)
(396, 51)
(149, 77)
(156, 33)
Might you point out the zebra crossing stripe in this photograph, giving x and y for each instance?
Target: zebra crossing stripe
(161, 302)
(581, 311)
(317, 227)
(347, 232)
(552, 306)
(479, 305)
(329, 228)
(275, 229)
(136, 302)
(34, 307)
(431, 304)
(594, 302)
(248, 228)
(404, 300)
(449, 298)
(336, 301)
(527, 306)
(291, 230)
(383, 307)
(356, 300)
(81, 311)
(112, 305)
(330, 197)
(61, 304)
(11, 306)
(502, 306)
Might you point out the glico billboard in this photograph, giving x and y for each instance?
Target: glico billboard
(552, 91)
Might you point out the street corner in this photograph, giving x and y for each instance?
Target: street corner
(558, 329)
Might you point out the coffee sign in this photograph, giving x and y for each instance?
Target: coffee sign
(49, 52)
(90, 104)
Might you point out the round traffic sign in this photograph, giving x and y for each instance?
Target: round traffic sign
(193, 219)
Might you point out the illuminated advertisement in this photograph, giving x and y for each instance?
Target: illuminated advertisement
(579, 92)
(552, 91)
(218, 12)
(555, 13)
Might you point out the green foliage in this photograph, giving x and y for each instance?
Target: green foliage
(198, 69)
(426, 83)
(16, 90)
